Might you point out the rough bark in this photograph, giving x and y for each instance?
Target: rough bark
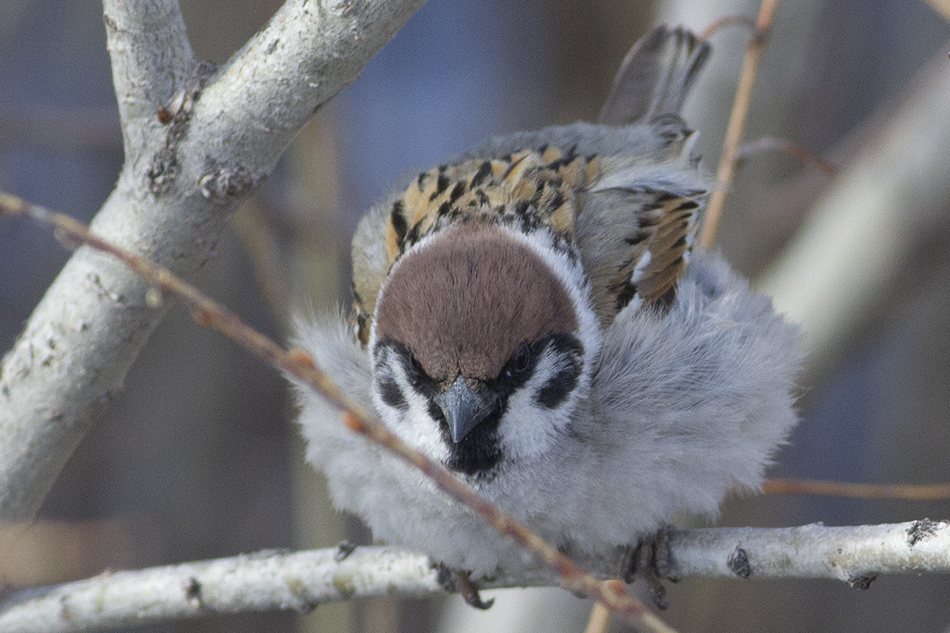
(304, 580)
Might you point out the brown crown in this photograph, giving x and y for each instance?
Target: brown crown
(464, 302)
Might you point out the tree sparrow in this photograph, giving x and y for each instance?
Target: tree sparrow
(532, 316)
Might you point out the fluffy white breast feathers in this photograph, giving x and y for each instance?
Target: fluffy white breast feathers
(532, 315)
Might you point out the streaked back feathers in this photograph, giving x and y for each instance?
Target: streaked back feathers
(625, 200)
(527, 189)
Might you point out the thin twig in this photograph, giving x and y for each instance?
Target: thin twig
(908, 492)
(740, 110)
(770, 143)
(599, 619)
(730, 20)
(299, 364)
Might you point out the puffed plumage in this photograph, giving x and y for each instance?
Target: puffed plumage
(615, 378)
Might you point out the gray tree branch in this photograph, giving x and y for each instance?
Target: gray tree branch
(197, 141)
(303, 580)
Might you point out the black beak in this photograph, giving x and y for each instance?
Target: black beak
(464, 407)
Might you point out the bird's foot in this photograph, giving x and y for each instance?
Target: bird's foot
(651, 559)
(460, 581)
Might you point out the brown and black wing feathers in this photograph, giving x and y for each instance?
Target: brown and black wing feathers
(628, 199)
(658, 251)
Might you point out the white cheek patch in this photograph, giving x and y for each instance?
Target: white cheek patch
(528, 428)
(411, 422)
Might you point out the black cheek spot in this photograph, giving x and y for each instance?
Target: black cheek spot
(391, 394)
(560, 386)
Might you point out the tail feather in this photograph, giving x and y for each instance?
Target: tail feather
(655, 77)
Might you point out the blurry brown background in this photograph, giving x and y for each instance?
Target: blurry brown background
(198, 457)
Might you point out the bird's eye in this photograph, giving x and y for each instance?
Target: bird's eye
(522, 358)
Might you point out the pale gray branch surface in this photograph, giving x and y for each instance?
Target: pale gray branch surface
(853, 554)
(303, 580)
(219, 135)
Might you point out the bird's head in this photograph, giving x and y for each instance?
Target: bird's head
(481, 346)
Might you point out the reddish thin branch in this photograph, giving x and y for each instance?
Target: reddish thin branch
(299, 364)
(730, 20)
(740, 110)
(773, 144)
(934, 492)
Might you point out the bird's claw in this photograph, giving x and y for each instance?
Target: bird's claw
(651, 558)
(460, 581)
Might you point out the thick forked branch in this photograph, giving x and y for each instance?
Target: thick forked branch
(304, 580)
(196, 142)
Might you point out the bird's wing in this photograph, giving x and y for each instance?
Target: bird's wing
(635, 233)
(637, 225)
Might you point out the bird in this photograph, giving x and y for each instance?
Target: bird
(533, 316)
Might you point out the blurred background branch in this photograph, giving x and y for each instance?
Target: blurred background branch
(866, 232)
(729, 161)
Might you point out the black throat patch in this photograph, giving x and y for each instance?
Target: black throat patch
(480, 454)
